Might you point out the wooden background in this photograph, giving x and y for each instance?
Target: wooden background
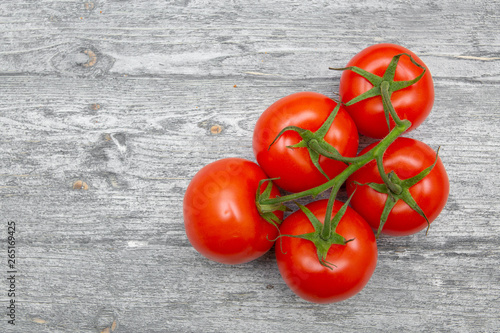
(108, 108)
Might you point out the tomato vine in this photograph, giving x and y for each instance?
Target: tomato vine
(306, 144)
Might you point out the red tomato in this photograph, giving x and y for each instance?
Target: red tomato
(220, 215)
(413, 103)
(407, 158)
(354, 262)
(294, 167)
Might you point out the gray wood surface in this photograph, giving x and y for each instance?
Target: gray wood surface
(106, 112)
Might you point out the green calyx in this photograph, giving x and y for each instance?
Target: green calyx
(399, 189)
(267, 210)
(315, 143)
(388, 77)
(322, 241)
(384, 85)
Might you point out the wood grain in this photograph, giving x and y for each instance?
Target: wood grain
(123, 96)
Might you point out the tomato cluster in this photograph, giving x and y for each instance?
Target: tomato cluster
(306, 144)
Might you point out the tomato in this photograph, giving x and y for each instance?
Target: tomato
(413, 103)
(294, 167)
(220, 215)
(354, 262)
(407, 158)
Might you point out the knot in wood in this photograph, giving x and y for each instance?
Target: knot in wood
(80, 185)
(216, 129)
(92, 58)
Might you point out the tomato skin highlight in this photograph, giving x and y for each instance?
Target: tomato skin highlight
(293, 167)
(299, 265)
(407, 157)
(220, 215)
(413, 103)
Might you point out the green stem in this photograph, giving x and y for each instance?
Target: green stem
(314, 144)
(359, 162)
(394, 188)
(327, 226)
(386, 101)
